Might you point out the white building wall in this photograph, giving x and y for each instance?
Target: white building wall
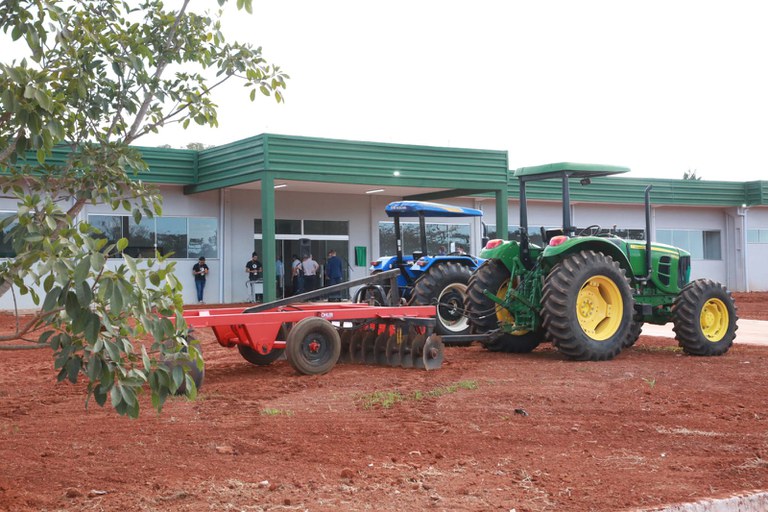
(757, 253)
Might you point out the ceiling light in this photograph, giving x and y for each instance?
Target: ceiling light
(374, 191)
(396, 173)
(282, 185)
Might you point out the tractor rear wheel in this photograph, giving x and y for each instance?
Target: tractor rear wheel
(259, 359)
(313, 346)
(445, 284)
(486, 315)
(704, 318)
(588, 307)
(634, 333)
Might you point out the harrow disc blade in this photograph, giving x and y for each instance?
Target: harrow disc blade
(393, 349)
(407, 355)
(366, 349)
(432, 353)
(354, 345)
(346, 338)
(417, 351)
(380, 349)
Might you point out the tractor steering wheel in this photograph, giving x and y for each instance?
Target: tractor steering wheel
(592, 230)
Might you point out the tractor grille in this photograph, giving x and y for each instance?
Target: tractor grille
(683, 270)
(665, 270)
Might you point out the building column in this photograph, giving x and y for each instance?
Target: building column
(269, 255)
(502, 213)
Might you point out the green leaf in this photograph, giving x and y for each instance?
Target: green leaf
(122, 244)
(81, 270)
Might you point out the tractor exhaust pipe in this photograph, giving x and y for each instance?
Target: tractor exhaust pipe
(648, 266)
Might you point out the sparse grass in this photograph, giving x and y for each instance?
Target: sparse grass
(387, 399)
(646, 348)
(651, 382)
(755, 463)
(275, 412)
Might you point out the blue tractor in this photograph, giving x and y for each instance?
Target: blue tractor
(425, 279)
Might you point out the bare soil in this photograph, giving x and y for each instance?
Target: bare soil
(487, 431)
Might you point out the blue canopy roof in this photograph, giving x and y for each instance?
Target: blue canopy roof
(416, 208)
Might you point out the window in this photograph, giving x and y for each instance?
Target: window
(703, 245)
(437, 235)
(179, 237)
(172, 237)
(6, 250)
(757, 236)
(326, 227)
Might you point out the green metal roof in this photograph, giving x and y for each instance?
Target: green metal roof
(467, 171)
(625, 190)
(571, 169)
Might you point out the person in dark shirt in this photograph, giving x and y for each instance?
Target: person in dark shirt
(254, 269)
(200, 270)
(334, 272)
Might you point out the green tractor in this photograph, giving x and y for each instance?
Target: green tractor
(588, 291)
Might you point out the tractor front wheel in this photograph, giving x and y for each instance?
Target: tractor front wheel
(588, 307)
(704, 318)
(485, 315)
(445, 284)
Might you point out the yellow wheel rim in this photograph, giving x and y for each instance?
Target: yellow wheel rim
(599, 308)
(503, 315)
(714, 320)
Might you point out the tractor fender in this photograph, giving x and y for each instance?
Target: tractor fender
(554, 254)
(467, 261)
(508, 253)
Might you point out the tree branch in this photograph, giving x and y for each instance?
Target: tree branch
(161, 64)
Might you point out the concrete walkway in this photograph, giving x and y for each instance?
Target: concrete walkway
(752, 332)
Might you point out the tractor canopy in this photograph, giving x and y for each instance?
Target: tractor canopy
(419, 208)
(567, 170)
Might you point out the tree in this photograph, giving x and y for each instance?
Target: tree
(100, 74)
(691, 175)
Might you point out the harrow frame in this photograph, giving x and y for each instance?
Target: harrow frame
(399, 335)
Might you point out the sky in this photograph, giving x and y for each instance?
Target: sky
(662, 87)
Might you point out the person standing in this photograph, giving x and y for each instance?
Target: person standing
(334, 272)
(200, 270)
(310, 268)
(297, 274)
(253, 268)
(279, 273)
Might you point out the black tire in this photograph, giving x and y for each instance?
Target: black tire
(485, 315)
(635, 330)
(588, 307)
(445, 284)
(704, 318)
(254, 357)
(313, 346)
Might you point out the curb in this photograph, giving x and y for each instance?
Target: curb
(754, 502)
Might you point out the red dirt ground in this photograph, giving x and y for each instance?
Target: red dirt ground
(651, 427)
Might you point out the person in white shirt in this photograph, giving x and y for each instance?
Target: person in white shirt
(310, 268)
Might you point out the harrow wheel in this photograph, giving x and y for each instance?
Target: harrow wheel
(253, 356)
(704, 318)
(313, 346)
